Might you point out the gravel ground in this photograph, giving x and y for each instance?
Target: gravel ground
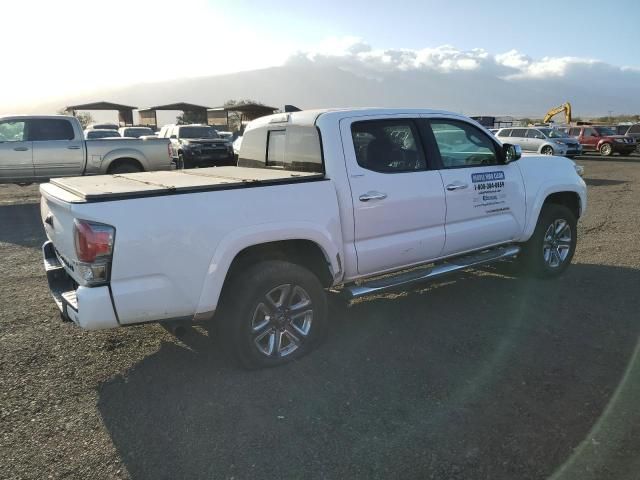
(481, 376)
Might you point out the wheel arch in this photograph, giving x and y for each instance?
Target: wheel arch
(124, 160)
(569, 195)
(302, 244)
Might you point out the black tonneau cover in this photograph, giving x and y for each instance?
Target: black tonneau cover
(146, 184)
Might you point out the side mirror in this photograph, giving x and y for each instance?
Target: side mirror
(511, 152)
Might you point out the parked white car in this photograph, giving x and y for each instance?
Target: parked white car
(322, 199)
(136, 132)
(35, 148)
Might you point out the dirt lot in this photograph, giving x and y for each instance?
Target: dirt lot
(482, 376)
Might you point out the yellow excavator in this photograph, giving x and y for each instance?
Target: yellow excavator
(565, 107)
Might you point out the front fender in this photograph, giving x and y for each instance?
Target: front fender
(548, 188)
(236, 241)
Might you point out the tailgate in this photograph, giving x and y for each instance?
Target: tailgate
(57, 218)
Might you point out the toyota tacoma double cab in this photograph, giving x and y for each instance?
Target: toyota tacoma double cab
(198, 146)
(359, 200)
(35, 148)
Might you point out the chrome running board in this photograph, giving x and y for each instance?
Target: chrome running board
(432, 271)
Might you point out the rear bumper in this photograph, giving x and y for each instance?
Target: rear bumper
(88, 307)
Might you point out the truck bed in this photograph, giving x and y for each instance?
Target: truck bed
(146, 184)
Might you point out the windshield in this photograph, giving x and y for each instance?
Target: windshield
(198, 132)
(137, 132)
(553, 133)
(605, 131)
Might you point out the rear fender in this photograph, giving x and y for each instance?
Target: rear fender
(122, 153)
(233, 243)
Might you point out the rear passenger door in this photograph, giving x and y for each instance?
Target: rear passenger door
(56, 151)
(398, 202)
(16, 161)
(535, 140)
(485, 198)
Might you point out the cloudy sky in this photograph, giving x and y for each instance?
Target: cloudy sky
(58, 49)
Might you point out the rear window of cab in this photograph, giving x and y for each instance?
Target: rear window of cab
(288, 147)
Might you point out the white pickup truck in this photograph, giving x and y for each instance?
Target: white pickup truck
(363, 200)
(34, 148)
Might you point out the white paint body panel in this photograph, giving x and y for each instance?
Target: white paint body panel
(172, 252)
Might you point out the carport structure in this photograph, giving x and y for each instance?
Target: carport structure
(125, 112)
(149, 116)
(219, 116)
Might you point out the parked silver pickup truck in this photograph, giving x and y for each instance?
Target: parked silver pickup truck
(36, 148)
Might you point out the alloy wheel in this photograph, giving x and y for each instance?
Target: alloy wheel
(282, 320)
(557, 243)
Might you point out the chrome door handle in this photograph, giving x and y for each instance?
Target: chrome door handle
(456, 186)
(73, 147)
(365, 197)
(21, 149)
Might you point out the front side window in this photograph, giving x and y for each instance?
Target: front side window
(463, 145)
(634, 129)
(12, 131)
(387, 146)
(46, 129)
(532, 133)
(505, 132)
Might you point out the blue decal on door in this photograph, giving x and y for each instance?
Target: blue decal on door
(487, 176)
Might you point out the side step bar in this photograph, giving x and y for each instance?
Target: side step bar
(431, 272)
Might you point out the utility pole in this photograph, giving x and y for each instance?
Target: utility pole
(610, 112)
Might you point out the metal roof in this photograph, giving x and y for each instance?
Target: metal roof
(176, 106)
(246, 107)
(100, 106)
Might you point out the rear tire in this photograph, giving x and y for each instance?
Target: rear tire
(606, 150)
(272, 313)
(549, 251)
(125, 167)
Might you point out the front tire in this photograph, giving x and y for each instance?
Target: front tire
(606, 150)
(547, 150)
(549, 251)
(272, 313)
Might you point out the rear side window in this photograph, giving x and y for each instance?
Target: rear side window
(388, 146)
(50, 129)
(463, 145)
(574, 132)
(294, 147)
(12, 131)
(519, 132)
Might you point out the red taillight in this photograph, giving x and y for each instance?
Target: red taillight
(93, 240)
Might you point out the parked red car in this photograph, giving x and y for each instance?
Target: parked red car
(603, 140)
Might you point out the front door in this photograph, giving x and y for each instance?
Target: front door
(56, 151)
(16, 162)
(398, 202)
(589, 138)
(485, 198)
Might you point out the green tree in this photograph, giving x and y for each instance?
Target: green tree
(84, 118)
(235, 117)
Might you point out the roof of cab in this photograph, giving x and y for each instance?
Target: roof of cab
(309, 117)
